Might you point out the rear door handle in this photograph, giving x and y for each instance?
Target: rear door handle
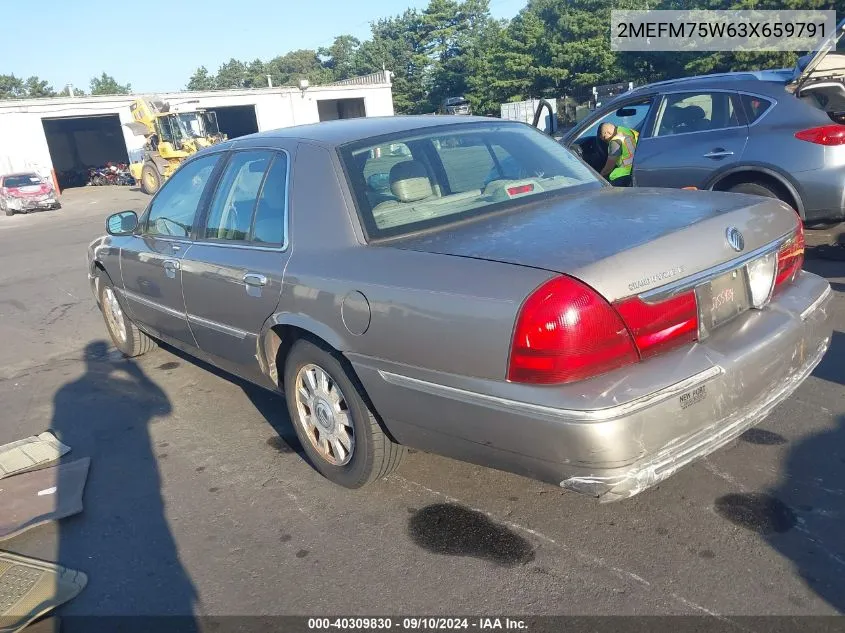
(255, 279)
(718, 153)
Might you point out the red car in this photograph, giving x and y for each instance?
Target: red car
(26, 192)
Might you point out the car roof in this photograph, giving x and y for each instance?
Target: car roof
(767, 82)
(19, 173)
(342, 131)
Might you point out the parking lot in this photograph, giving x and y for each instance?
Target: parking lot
(198, 500)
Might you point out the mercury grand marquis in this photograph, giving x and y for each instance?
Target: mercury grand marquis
(467, 286)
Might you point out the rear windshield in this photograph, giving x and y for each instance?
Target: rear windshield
(25, 180)
(428, 178)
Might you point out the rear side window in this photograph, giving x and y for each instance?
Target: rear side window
(754, 107)
(696, 112)
(268, 227)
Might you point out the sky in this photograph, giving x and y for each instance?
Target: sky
(158, 50)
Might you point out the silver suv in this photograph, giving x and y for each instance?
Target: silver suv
(771, 133)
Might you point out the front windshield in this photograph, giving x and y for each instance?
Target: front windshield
(191, 125)
(423, 179)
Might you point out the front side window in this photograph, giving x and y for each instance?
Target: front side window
(432, 177)
(632, 116)
(174, 208)
(696, 112)
(230, 215)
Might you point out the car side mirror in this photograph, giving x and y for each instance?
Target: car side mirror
(122, 223)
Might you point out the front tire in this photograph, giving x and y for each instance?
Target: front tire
(150, 179)
(337, 429)
(123, 332)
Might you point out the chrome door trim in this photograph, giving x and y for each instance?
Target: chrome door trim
(152, 304)
(220, 327)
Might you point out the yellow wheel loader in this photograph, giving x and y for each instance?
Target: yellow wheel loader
(171, 136)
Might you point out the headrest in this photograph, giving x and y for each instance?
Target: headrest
(409, 181)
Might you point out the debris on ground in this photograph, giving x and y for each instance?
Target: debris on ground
(30, 453)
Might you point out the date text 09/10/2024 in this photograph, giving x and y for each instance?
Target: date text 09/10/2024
(416, 624)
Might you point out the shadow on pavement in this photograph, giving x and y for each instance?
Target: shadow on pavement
(270, 405)
(122, 539)
(814, 487)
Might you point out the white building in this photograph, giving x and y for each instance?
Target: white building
(70, 134)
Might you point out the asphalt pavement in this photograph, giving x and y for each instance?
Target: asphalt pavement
(199, 502)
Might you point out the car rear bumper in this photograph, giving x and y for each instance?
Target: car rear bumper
(663, 413)
(30, 204)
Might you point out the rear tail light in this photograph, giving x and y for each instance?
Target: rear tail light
(566, 332)
(790, 259)
(824, 135)
(658, 327)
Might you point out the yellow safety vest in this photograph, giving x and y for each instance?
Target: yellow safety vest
(625, 161)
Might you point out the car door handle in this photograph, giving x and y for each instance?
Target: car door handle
(255, 279)
(171, 264)
(718, 153)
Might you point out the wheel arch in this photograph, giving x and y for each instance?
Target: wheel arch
(764, 174)
(281, 331)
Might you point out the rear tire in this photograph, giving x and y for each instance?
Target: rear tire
(334, 411)
(754, 188)
(150, 179)
(123, 332)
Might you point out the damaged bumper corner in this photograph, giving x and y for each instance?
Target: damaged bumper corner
(30, 204)
(678, 454)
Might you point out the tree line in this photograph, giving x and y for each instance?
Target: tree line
(551, 48)
(12, 87)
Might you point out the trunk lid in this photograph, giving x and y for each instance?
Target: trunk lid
(619, 241)
(813, 66)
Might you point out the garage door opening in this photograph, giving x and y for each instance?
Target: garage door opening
(235, 121)
(332, 109)
(78, 144)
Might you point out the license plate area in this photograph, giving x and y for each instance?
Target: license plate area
(722, 299)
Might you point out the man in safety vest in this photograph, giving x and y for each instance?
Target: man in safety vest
(621, 143)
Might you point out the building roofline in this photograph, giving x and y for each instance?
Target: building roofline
(184, 94)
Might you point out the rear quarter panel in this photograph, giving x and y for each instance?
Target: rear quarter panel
(434, 312)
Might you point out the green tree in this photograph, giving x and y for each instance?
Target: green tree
(396, 45)
(11, 87)
(256, 74)
(339, 58)
(36, 87)
(288, 69)
(201, 80)
(107, 85)
(232, 74)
